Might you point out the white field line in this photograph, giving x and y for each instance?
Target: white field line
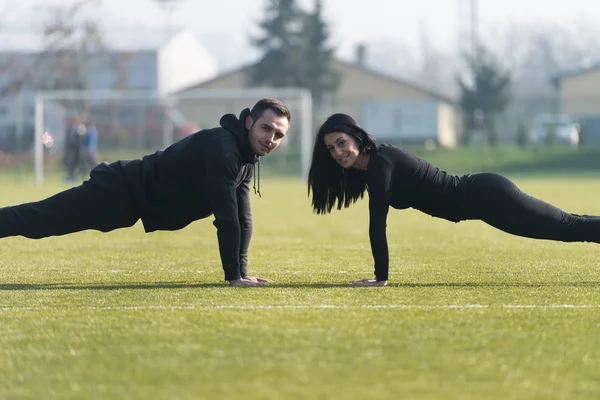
(179, 271)
(313, 307)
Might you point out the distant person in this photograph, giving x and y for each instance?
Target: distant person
(72, 153)
(89, 154)
(346, 162)
(206, 173)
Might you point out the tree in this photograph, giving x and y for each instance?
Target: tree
(71, 44)
(9, 64)
(281, 45)
(538, 52)
(485, 93)
(68, 44)
(319, 76)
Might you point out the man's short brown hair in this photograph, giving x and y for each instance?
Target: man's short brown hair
(269, 103)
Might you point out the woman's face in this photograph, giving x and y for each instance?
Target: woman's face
(343, 148)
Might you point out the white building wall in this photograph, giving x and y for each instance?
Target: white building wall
(183, 62)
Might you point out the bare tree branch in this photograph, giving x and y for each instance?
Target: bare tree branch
(70, 44)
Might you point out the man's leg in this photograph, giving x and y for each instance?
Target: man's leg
(101, 203)
(499, 202)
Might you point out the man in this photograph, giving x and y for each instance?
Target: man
(206, 173)
(90, 147)
(72, 155)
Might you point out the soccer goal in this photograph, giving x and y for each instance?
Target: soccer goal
(129, 124)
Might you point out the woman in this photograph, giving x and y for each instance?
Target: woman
(346, 161)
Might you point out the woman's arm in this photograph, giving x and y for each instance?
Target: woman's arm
(380, 193)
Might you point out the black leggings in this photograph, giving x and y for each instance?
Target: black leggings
(101, 203)
(497, 201)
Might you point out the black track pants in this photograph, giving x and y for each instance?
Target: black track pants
(101, 203)
(497, 201)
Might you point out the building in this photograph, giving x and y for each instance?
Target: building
(173, 64)
(579, 91)
(390, 108)
(578, 95)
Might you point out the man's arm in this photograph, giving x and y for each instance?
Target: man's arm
(245, 218)
(221, 189)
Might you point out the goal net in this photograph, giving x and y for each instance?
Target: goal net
(74, 130)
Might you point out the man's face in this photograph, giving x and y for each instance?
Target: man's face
(267, 132)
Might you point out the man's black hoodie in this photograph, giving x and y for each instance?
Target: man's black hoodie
(208, 172)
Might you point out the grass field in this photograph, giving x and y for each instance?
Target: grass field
(470, 312)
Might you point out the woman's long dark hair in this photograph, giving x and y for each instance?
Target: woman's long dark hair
(329, 181)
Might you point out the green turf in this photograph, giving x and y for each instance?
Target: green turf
(470, 313)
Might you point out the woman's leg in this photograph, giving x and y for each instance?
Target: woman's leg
(101, 203)
(499, 202)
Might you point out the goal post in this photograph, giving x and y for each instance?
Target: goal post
(146, 120)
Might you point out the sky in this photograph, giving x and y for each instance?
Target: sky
(224, 25)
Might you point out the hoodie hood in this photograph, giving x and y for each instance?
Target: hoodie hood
(237, 127)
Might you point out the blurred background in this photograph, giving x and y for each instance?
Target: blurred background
(471, 85)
